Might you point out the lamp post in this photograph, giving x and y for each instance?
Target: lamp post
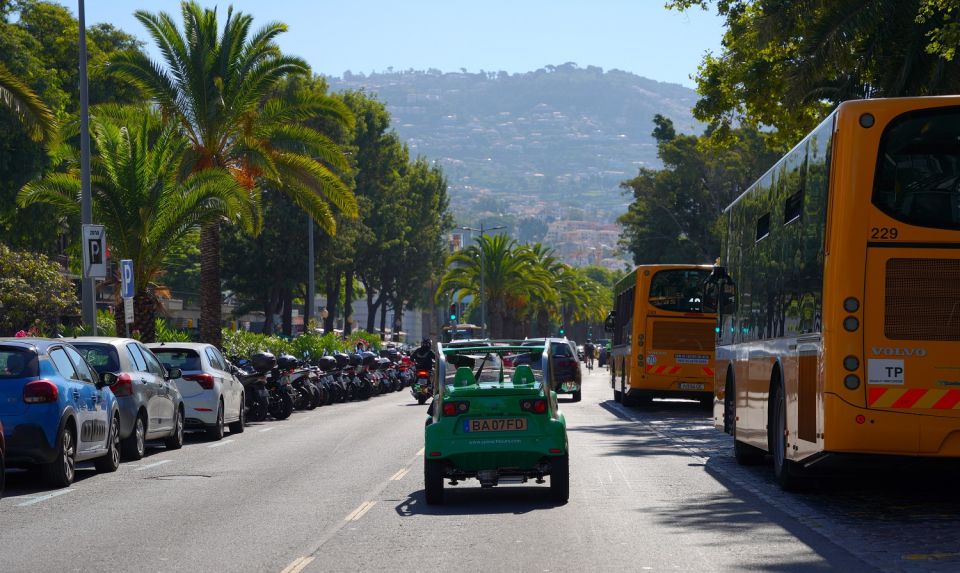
(88, 284)
(483, 300)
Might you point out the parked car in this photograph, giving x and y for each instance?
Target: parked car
(150, 404)
(3, 465)
(55, 410)
(567, 373)
(212, 395)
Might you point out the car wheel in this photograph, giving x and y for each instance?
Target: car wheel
(237, 427)
(61, 471)
(111, 462)
(576, 396)
(134, 446)
(433, 481)
(175, 440)
(215, 432)
(560, 479)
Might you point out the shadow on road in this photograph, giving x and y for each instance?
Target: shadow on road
(470, 500)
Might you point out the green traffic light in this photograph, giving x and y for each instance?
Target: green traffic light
(453, 317)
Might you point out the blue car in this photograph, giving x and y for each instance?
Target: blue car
(55, 410)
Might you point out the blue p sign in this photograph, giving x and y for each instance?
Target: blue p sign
(126, 275)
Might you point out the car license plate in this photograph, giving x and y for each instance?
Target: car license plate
(690, 386)
(495, 425)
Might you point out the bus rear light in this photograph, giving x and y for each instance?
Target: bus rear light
(851, 324)
(851, 381)
(851, 304)
(851, 363)
(861, 418)
(40, 392)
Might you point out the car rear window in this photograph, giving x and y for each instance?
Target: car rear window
(17, 362)
(102, 357)
(184, 359)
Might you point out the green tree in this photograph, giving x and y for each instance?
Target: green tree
(666, 220)
(786, 63)
(141, 195)
(34, 292)
(221, 87)
(26, 105)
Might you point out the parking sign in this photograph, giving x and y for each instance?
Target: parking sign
(126, 278)
(94, 251)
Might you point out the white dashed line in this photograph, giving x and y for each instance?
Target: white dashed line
(44, 497)
(153, 465)
(298, 565)
(420, 453)
(218, 444)
(360, 511)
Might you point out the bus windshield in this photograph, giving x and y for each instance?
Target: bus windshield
(918, 169)
(678, 290)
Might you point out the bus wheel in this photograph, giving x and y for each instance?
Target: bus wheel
(788, 473)
(729, 405)
(626, 399)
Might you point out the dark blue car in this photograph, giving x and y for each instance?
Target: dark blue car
(55, 410)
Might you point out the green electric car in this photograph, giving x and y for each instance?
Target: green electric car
(494, 418)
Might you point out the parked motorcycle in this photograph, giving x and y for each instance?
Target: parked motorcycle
(253, 376)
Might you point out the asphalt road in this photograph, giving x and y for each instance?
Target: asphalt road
(341, 489)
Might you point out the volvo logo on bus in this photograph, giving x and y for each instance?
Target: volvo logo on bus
(891, 351)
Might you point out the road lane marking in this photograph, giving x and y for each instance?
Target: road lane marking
(153, 465)
(356, 514)
(420, 453)
(298, 565)
(44, 497)
(400, 474)
(268, 429)
(222, 443)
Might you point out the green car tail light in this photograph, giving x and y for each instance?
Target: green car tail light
(535, 406)
(455, 408)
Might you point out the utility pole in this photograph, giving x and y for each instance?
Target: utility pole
(88, 284)
(311, 283)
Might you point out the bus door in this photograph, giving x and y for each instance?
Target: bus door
(911, 326)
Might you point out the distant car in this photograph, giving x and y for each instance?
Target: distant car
(150, 404)
(567, 373)
(55, 410)
(494, 422)
(212, 395)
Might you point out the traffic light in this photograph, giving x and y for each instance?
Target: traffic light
(453, 312)
(561, 330)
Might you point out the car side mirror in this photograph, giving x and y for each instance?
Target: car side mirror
(107, 379)
(174, 373)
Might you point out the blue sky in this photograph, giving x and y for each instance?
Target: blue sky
(639, 36)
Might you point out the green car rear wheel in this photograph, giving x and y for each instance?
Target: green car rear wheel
(560, 479)
(433, 481)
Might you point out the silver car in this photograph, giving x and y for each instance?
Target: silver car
(212, 395)
(150, 403)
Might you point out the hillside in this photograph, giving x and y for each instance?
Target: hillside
(534, 144)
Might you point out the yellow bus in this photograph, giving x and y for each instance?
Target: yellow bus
(839, 293)
(663, 339)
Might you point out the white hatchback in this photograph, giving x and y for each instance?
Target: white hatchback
(212, 395)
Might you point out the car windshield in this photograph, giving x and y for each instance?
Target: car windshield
(495, 368)
(183, 358)
(17, 362)
(103, 357)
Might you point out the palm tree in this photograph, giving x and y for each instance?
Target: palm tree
(28, 107)
(142, 192)
(511, 278)
(221, 89)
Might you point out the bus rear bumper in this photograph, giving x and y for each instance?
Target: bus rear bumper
(852, 429)
(649, 393)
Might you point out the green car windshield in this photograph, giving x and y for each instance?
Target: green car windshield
(492, 366)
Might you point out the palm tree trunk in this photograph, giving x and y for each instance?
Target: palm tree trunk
(210, 293)
(287, 298)
(347, 302)
(543, 323)
(372, 307)
(144, 316)
(383, 320)
(333, 296)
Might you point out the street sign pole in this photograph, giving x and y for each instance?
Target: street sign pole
(126, 291)
(88, 284)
